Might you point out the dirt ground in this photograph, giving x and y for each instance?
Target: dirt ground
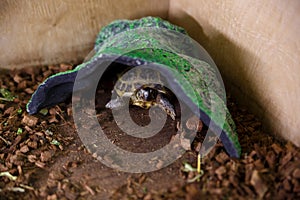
(42, 157)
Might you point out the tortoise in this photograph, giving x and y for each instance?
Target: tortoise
(140, 93)
(167, 48)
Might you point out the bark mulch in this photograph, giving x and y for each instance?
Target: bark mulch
(42, 157)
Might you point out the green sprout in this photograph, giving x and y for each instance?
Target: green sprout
(19, 131)
(188, 168)
(6, 95)
(20, 111)
(55, 142)
(44, 111)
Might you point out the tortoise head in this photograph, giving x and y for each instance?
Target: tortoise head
(144, 97)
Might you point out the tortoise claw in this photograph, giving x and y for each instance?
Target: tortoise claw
(117, 103)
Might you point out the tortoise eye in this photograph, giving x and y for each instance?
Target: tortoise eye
(139, 94)
(146, 94)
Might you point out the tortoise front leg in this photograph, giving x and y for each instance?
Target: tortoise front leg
(164, 104)
(116, 103)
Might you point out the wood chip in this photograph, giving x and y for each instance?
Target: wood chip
(31, 158)
(185, 143)
(53, 119)
(52, 197)
(296, 188)
(2, 106)
(22, 85)
(9, 111)
(249, 172)
(288, 169)
(222, 157)
(40, 164)
(52, 111)
(29, 91)
(258, 165)
(17, 78)
(286, 185)
(220, 171)
(69, 111)
(296, 173)
(271, 159)
(29, 120)
(56, 175)
(258, 184)
(46, 156)
(286, 159)
(194, 124)
(32, 144)
(276, 148)
(24, 149)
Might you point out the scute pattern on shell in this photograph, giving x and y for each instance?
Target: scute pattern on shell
(136, 78)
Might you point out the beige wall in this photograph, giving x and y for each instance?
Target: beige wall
(254, 43)
(40, 32)
(257, 48)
